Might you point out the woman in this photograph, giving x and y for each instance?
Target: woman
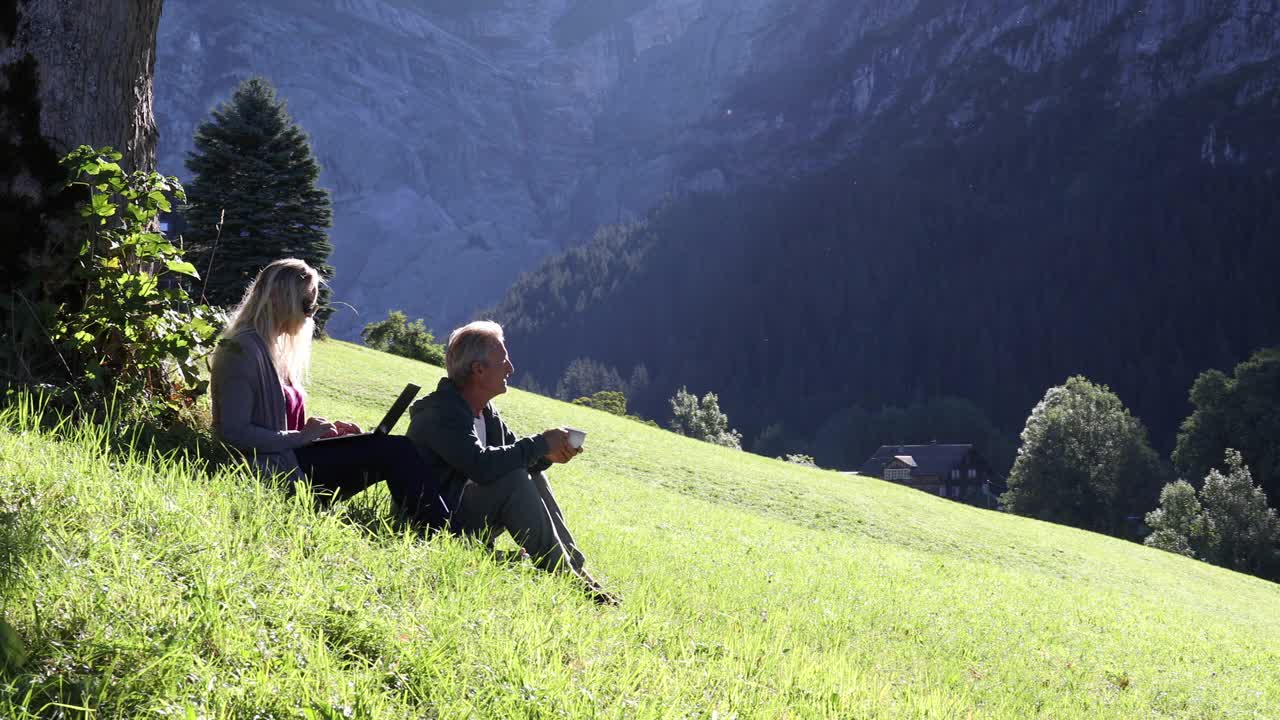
(259, 405)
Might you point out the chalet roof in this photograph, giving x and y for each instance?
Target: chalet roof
(906, 460)
(928, 459)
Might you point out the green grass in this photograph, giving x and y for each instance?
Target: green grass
(753, 589)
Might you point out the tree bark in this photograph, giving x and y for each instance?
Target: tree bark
(93, 65)
(71, 73)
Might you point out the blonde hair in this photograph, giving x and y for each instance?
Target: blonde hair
(469, 344)
(275, 304)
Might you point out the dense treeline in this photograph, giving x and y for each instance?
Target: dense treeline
(1240, 412)
(986, 263)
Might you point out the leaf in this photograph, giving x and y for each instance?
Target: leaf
(99, 205)
(202, 328)
(84, 337)
(160, 200)
(155, 244)
(184, 267)
(148, 284)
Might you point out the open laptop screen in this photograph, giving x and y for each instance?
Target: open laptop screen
(389, 420)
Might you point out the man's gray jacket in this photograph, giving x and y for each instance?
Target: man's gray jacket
(442, 427)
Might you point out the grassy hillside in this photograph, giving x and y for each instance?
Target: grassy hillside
(753, 589)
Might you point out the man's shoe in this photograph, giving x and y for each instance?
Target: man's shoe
(603, 597)
(511, 557)
(596, 591)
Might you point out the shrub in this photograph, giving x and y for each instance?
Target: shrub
(398, 336)
(134, 335)
(702, 419)
(612, 402)
(1239, 530)
(607, 400)
(1242, 411)
(799, 459)
(1229, 524)
(1176, 521)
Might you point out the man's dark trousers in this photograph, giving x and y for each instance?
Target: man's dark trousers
(490, 486)
(520, 502)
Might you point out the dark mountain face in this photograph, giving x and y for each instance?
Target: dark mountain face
(998, 222)
(883, 201)
(463, 142)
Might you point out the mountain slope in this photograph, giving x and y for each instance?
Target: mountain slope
(1012, 228)
(464, 142)
(752, 587)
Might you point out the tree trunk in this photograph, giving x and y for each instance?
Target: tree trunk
(71, 73)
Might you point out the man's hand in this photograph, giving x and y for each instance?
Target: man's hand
(565, 456)
(561, 451)
(317, 428)
(558, 448)
(557, 442)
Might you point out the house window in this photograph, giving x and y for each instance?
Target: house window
(973, 473)
(955, 491)
(955, 473)
(898, 474)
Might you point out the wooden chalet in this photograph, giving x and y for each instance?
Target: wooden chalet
(957, 472)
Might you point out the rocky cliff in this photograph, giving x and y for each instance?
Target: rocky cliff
(465, 141)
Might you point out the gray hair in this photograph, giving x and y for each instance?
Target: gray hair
(469, 344)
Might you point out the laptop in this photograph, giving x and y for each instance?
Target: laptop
(389, 420)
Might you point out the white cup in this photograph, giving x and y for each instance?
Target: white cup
(576, 437)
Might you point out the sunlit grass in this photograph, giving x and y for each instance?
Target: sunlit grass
(752, 588)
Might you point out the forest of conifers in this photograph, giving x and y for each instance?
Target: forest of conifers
(986, 262)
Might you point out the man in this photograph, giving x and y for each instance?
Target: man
(491, 480)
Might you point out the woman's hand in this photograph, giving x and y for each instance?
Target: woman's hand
(317, 428)
(346, 428)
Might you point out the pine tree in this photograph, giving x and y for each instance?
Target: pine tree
(253, 195)
(702, 419)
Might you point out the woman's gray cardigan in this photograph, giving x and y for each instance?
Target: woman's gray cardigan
(248, 405)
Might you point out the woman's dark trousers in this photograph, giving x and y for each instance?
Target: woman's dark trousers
(341, 468)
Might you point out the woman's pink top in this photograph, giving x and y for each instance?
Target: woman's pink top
(295, 411)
